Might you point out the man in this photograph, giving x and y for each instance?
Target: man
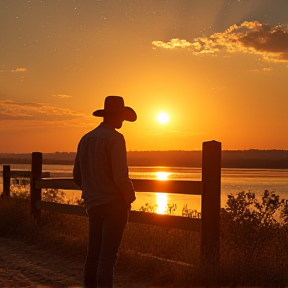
(101, 171)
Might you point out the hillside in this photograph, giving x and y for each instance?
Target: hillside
(230, 159)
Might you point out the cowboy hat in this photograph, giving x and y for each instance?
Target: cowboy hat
(116, 104)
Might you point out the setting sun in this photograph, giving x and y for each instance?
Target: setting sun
(162, 118)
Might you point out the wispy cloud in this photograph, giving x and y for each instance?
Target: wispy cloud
(249, 37)
(41, 114)
(19, 70)
(174, 43)
(62, 96)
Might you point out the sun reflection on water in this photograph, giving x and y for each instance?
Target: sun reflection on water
(162, 175)
(161, 199)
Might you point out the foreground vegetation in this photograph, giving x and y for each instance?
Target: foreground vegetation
(253, 252)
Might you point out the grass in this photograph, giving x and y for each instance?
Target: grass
(251, 254)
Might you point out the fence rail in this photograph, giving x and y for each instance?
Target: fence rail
(8, 174)
(140, 185)
(209, 188)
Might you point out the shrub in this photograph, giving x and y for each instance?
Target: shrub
(253, 240)
(53, 195)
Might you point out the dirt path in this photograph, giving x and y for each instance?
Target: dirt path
(28, 266)
(23, 265)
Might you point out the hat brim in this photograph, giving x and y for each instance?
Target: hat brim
(128, 113)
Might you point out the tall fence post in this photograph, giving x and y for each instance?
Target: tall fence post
(35, 194)
(6, 180)
(211, 200)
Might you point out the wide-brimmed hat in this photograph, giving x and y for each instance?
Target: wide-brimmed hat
(116, 104)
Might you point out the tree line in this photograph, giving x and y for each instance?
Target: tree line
(274, 159)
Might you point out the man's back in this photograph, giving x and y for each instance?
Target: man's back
(101, 166)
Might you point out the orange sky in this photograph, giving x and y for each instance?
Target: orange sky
(218, 68)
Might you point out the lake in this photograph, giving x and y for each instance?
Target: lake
(232, 182)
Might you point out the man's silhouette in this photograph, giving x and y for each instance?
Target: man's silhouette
(101, 171)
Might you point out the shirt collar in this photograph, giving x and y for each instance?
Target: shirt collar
(105, 125)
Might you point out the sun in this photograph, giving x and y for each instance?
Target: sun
(162, 117)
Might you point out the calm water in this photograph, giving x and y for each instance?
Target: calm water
(232, 182)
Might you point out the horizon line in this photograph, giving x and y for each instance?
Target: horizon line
(173, 150)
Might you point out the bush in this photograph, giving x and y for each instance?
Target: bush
(253, 240)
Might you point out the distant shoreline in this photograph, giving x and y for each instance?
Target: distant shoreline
(262, 159)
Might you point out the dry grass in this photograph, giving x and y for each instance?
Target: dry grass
(248, 256)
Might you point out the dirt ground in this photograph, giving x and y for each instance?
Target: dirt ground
(23, 265)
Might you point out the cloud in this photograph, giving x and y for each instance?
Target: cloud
(41, 114)
(172, 44)
(62, 96)
(19, 70)
(249, 37)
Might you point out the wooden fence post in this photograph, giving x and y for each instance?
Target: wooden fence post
(211, 200)
(35, 194)
(6, 180)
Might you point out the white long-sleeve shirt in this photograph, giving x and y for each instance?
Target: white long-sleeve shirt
(100, 168)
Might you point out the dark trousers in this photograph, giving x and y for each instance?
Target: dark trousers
(106, 226)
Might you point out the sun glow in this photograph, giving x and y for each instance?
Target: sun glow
(161, 203)
(162, 117)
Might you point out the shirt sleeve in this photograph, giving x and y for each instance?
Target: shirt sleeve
(76, 170)
(120, 169)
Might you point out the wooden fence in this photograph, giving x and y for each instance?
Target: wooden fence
(209, 188)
